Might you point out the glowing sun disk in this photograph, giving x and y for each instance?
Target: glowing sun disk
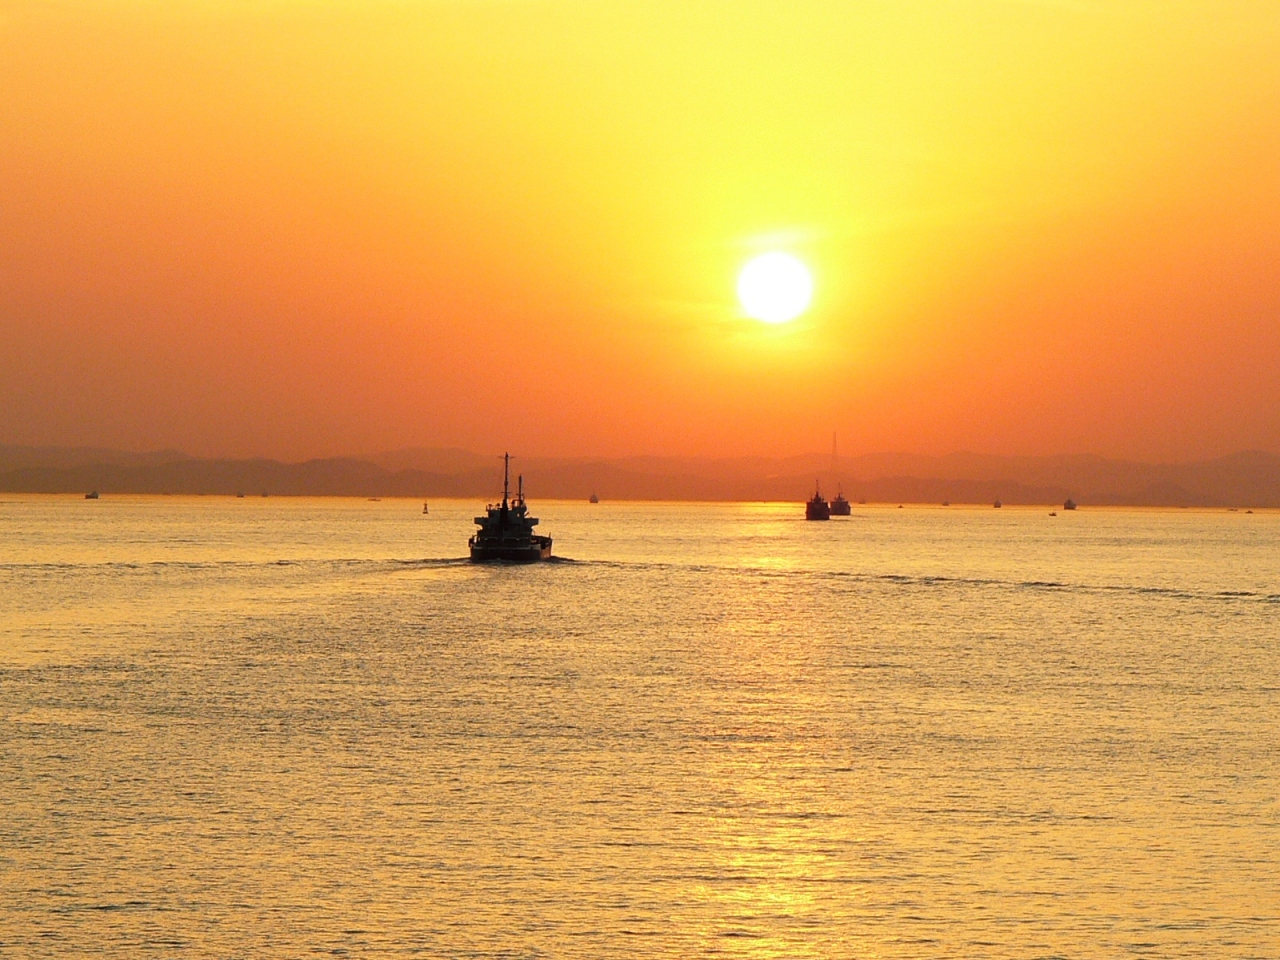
(774, 287)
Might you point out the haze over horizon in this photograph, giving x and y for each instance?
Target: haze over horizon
(299, 230)
(454, 457)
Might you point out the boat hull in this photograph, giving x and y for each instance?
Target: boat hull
(816, 511)
(482, 552)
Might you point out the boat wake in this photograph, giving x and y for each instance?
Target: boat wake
(926, 581)
(431, 562)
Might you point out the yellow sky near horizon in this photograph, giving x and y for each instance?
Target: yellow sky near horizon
(305, 228)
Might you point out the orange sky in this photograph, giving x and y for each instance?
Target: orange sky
(296, 228)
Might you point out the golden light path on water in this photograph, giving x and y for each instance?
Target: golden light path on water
(282, 727)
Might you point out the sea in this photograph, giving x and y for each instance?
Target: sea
(291, 727)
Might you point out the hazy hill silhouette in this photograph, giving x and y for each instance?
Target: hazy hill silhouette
(1250, 479)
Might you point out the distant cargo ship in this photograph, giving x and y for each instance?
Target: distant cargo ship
(817, 508)
(840, 507)
(506, 529)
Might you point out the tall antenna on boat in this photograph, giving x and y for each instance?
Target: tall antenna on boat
(506, 476)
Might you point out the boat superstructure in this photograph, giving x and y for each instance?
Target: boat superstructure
(506, 529)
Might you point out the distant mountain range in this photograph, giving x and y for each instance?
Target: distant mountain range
(1250, 479)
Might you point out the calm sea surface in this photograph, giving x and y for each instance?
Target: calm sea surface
(282, 728)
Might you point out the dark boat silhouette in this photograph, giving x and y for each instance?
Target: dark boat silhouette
(1069, 505)
(506, 529)
(839, 506)
(997, 504)
(593, 499)
(91, 495)
(817, 508)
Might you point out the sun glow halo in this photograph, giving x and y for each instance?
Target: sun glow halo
(775, 287)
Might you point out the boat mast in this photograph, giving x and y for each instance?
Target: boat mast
(506, 476)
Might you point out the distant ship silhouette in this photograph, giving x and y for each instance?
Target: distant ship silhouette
(839, 506)
(817, 508)
(506, 529)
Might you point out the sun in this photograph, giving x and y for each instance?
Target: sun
(775, 287)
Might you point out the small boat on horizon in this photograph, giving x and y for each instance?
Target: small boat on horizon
(1069, 505)
(593, 499)
(91, 495)
(424, 507)
(506, 529)
(997, 504)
